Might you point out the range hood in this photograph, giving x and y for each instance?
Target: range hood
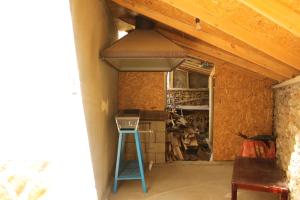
(144, 49)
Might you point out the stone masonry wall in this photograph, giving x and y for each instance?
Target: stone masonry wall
(287, 129)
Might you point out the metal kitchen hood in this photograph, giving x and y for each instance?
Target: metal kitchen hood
(144, 49)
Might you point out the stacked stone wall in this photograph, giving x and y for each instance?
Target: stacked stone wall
(287, 129)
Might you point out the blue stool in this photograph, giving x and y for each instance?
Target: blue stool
(131, 169)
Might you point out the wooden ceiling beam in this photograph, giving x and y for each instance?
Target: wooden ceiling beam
(212, 51)
(243, 65)
(203, 56)
(246, 53)
(278, 13)
(195, 67)
(218, 62)
(264, 44)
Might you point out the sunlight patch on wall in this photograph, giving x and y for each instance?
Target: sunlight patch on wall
(294, 170)
(121, 34)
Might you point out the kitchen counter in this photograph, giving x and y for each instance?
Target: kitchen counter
(152, 128)
(148, 115)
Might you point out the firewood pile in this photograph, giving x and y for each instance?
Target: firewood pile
(187, 137)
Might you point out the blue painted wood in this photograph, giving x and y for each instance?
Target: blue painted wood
(118, 162)
(127, 131)
(129, 170)
(123, 148)
(140, 159)
(139, 140)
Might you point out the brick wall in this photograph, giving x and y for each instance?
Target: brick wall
(153, 143)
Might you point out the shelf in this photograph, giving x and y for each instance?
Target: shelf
(188, 89)
(202, 107)
(129, 170)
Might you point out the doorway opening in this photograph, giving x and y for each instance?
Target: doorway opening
(189, 103)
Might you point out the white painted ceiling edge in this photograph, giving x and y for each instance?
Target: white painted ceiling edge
(288, 82)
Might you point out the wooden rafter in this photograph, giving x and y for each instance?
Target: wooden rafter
(237, 63)
(212, 51)
(196, 9)
(203, 56)
(248, 54)
(276, 12)
(194, 69)
(218, 62)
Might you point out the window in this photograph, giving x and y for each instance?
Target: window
(182, 79)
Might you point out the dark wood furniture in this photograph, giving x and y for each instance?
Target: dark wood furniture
(260, 175)
(147, 115)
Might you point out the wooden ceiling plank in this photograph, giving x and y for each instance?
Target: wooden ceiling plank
(196, 69)
(207, 71)
(265, 45)
(241, 63)
(227, 57)
(276, 12)
(228, 46)
(202, 56)
(208, 49)
(219, 62)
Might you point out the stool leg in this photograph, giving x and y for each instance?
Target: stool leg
(139, 138)
(139, 154)
(122, 149)
(284, 195)
(118, 162)
(233, 191)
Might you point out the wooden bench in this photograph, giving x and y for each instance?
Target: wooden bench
(259, 175)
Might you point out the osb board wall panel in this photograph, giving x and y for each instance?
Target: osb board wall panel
(242, 103)
(142, 90)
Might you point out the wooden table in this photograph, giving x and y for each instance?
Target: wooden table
(259, 175)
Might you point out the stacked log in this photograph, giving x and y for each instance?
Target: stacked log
(187, 137)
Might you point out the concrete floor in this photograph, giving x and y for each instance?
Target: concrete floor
(191, 181)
